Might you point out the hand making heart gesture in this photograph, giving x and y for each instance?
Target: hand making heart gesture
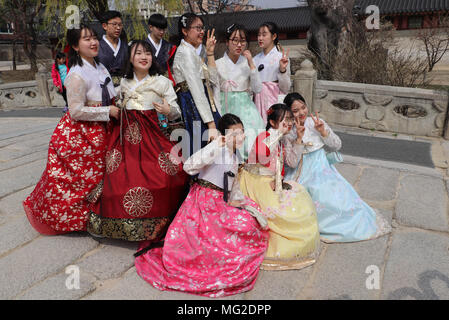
(319, 125)
(283, 63)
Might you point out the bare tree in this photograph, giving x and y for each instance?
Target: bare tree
(23, 14)
(435, 40)
(331, 24)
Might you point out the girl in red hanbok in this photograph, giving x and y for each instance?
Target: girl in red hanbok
(144, 184)
(60, 202)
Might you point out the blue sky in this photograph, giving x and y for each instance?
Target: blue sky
(275, 3)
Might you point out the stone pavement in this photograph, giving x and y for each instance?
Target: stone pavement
(410, 263)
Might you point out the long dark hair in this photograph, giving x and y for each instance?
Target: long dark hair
(273, 28)
(292, 97)
(277, 113)
(226, 121)
(73, 39)
(128, 70)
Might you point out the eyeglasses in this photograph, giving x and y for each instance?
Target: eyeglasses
(198, 28)
(236, 42)
(115, 24)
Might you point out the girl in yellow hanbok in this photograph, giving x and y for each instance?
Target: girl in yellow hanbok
(294, 236)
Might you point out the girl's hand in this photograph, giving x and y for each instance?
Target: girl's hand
(319, 125)
(163, 108)
(247, 54)
(114, 112)
(300, 129)
(283, 63)
(210, 42)
(284, 126)
(213, 132)
(221, 141)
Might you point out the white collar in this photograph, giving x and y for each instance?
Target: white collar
(197, 50)
(232, 62)
(115, 50)
(156, 46)
(271, 52)
(87, 63)
(140, 81)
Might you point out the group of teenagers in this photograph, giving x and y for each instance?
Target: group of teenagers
(258, 191)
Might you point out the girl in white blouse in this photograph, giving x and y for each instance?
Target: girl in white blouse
(274, 68)
(342, 215)
(61, 200)
(194, 81)
(144, 184)
(239, 79)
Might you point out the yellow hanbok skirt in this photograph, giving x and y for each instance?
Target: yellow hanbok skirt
(294, 235)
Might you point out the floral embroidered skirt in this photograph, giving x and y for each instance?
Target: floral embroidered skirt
(142, 187)
(342, 215)
(294, 238)
(211, 249)
(75, 166)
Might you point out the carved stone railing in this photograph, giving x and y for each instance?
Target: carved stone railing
(385, 108)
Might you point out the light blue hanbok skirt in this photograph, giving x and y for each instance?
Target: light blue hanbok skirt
(342, 215)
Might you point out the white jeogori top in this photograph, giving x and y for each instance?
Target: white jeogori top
(270, 71)
(240, 73)
(140, 95)
(188, 66)
(313, 140)
(211, 163)
(84, 90)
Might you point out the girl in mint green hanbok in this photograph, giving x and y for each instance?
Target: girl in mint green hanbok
(239, 78)
(342, 215)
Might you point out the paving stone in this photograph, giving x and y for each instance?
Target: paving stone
(279, 285)
(40, 259)
(16, 233)
(11, 206)
(378, 184)
(422, 203)
(40, 155)
(21, 177)
(11, 153)
(130, 287)
(349, 171)
(417, 267)
(55, 288)
(111, 261)
(388, 214)
(343, 271)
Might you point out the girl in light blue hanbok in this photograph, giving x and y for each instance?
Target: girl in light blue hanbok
(342, 215)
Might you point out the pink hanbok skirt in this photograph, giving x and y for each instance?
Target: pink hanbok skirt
(266, 98)
(210, 249)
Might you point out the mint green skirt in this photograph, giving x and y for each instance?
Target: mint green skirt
(241, 105)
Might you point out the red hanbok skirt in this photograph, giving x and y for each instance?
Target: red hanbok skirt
(143, 186)
(60, 201)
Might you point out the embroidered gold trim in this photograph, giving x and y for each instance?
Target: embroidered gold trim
(166, 164)
(95, 194)
(127, 229)
(113, 160)
(138, 202)
(133, 134)
(207, 184)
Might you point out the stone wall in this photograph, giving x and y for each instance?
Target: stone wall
(30, 94)
(385, 108)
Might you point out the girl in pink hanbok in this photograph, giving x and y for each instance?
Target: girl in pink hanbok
(215, 245)
(274, 69)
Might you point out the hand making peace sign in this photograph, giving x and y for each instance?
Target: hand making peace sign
(283, 63)
(319, 125)
(300, 129)
(210, 42)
